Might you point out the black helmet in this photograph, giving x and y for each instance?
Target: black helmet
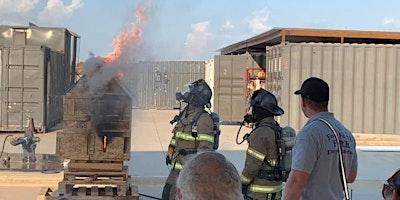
(199, 94)
(266, 100)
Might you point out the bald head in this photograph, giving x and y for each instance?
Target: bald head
(208, 176)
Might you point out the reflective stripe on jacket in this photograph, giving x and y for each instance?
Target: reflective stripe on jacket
(172, 143)
(178, 166)
(182, 138)
(189, 137)
(265, 188)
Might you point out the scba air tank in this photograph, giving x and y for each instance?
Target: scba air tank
(288, 135)
(217, 131)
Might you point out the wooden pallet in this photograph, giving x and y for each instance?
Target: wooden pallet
(91, 176)
(91, 193)
(85, 165)
(94, 180)
(119, 181)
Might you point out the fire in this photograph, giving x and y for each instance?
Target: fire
(129, 38)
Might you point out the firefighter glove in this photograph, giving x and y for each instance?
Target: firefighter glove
(168, 161)
(170, 152)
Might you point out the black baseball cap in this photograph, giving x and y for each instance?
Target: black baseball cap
(314, 89)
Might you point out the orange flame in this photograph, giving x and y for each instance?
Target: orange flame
(128, 39)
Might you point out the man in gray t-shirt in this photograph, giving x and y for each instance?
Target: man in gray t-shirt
(315, 163)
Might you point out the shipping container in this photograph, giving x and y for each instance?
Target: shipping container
(154, 84)
(209, 78)
(229, 85)
(97, 122)
(364, 88)
(58, 39)
(33, 82)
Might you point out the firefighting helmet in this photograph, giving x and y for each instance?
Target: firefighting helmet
(266, 100)
(198, 93)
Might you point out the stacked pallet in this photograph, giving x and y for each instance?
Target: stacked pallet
(109, 181)
(96, 138)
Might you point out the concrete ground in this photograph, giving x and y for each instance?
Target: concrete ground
(151, 133)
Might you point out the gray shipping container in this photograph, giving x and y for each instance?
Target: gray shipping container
(154, 84)
(364, 88)
(58, 39)
(33, 81)
(230, 86)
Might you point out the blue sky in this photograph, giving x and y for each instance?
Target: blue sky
(194, 29)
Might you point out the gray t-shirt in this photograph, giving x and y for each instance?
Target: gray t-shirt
(316, 153)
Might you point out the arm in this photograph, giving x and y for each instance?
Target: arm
(171, 148)
(295, 185)
(352, 177)
(354, 165)
(205, 132)
(255, 154)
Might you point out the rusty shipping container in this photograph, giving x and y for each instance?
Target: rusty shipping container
(154, 84)
(97, 122)
(227, 75)
(364, 88)
(33, 82)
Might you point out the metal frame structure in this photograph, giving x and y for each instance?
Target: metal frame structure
(297, 35)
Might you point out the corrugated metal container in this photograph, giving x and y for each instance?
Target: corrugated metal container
(230, 86)
(364, 88)
(58, 39)
(209, 72)
(97, 122)
(33, 81)
(154, 84)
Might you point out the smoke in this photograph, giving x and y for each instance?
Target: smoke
(97, 74)
(100, 70)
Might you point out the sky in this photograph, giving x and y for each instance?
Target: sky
(173, 30)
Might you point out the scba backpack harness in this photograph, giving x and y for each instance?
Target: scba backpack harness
(284, 139)
(217, 131)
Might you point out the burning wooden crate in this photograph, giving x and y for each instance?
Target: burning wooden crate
(97, 122)
(96, 138)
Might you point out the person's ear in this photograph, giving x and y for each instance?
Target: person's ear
(303, 102)
(395, 195)
(179, 194)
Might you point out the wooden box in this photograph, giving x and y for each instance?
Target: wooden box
(97, 122)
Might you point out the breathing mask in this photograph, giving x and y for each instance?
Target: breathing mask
(198, 93)
(183, 96)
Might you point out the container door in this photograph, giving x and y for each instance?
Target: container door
(22, 87)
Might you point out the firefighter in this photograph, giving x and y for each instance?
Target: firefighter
(193, 132)
(259, 178)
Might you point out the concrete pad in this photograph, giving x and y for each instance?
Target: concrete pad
(151, 134)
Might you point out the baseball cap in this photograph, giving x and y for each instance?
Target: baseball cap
(314, 89)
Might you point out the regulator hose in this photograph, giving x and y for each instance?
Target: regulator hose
(4, 143)
(244, 137)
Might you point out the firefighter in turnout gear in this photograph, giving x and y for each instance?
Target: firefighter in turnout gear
(193, 132)
(259, 177)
